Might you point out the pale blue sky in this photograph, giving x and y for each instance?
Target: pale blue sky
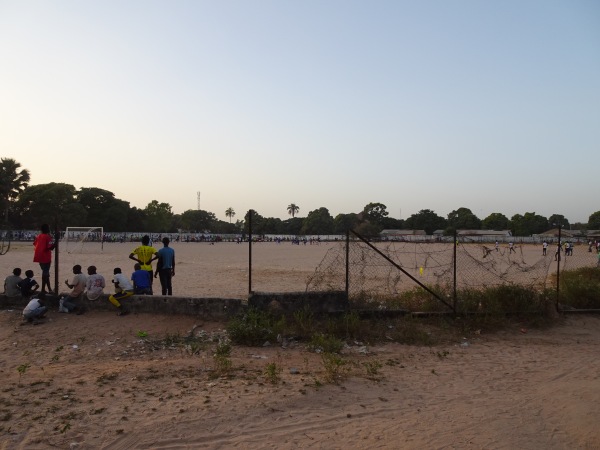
(493, 106)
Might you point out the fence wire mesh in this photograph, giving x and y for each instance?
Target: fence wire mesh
(384, 272)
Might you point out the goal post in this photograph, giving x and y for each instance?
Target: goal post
(76, 238)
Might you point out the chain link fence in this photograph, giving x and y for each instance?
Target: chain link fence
(398, 272)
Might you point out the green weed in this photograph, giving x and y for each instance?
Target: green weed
(336, 367)
(273, 373)
(325, 343)
(254, 327)
(22, 369)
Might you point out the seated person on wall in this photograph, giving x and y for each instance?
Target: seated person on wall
(35, 309)
(11, 284)
(28, 285)
(95, 284)
(68, 303)
(141, 281)
(123, 289)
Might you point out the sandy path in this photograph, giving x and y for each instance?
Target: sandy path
(531, 390)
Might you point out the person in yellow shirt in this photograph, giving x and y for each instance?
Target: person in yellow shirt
(144, 255)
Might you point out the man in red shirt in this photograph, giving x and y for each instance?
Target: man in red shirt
(42, 254)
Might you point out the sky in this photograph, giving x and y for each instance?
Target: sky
(492, 106)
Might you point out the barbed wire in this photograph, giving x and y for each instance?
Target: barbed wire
(478, 265)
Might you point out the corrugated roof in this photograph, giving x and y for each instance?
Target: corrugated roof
(403, 232)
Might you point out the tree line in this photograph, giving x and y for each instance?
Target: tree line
(61, 205)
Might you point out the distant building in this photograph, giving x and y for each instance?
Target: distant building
(593, 234)
(400, 234)
(554, 233)
(485, 233)
(477, 233)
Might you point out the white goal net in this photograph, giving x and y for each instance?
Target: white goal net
(78, 239)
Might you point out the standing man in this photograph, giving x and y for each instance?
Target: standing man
(165, 267)
(42, 254)
(544, 248)
(145, 254)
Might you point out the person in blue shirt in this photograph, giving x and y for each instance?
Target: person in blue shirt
(142, 283)
(166, 267)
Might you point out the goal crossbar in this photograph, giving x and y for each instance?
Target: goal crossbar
(76, 237)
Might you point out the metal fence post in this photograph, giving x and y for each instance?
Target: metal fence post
(347, 263)
(558, 250)
(250, 252)
(56, 258)
(454, 275)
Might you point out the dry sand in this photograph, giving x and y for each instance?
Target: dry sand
(202, 269)
(93, 381)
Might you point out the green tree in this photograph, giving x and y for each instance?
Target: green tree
(273, 225)
(318, 221)
(293, 209)
(222, 227)
(344, 222)
(389, 223)
(577, 226)
(368, 229)
(197, 220)
(496, 221)
(292, 226)
(258, 223)
(426, 220)
(13, 181)
(229, 212)
(158, 216)
(52, 203)
(528, 224)
(136, 220)
(594, 221)
(517, 225)
(558, 219)
(375, 213)
(463, 219)
(103, 209)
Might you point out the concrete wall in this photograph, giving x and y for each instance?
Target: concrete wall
(208, 308)
(288, 302)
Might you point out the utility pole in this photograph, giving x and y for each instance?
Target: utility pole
(198, 194)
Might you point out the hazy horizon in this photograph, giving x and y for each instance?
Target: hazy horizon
(493, 106)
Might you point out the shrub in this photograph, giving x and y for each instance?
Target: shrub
(325, 343)
(254, 327)
(336, 367)
(580, 288)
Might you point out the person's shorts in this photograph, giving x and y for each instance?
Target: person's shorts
(45, 268)
(122, 294)
(142, 291)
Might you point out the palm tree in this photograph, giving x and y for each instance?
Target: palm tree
(229, 212)
(12, 182)
(293, 209)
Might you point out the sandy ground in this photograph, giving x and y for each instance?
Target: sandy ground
(222, 269)
(202, 269)
(102, 381)
(93, 381)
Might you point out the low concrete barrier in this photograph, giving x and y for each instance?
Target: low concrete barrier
(289, 302)
(208, 308)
